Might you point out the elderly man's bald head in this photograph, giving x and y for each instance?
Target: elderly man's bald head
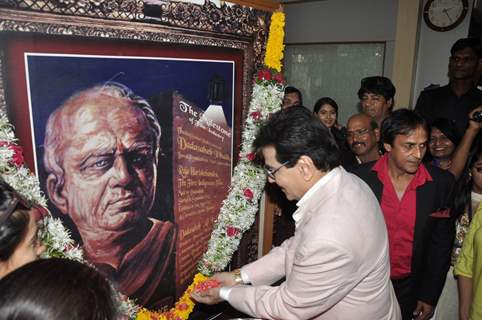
(92, 104)
(363, 136)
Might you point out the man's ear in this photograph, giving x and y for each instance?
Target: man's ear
(377, 134)
(55, 193)
(390, 103)
(387, 147)
(306, 167)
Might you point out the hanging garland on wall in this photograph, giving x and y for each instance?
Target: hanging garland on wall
(237, 212)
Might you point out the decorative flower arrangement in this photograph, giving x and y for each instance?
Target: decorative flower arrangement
(181, 309)
(275, 46)
(238, 210)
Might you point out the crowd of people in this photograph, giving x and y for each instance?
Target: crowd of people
(419, 170)
(387, 216)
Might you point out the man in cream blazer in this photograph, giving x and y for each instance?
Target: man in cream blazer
(336, 265)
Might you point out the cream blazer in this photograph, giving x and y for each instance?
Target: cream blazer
(336, 265)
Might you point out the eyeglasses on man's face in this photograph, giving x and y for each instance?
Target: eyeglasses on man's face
(357, 133)
(271, 172)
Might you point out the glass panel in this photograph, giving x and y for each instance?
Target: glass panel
(333, 70)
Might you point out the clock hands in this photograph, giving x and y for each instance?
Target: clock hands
(445, 10)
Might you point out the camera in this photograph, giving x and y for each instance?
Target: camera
(477, 116)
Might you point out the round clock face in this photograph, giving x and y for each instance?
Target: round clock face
(443, 15)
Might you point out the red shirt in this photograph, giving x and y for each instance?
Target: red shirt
(400, 215)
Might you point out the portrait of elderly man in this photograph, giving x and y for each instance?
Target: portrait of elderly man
(101, 154)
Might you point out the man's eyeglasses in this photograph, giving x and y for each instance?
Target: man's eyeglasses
(271, 172)
(357, 133)
(10, 200)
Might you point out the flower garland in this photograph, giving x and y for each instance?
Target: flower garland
(275, 46)
(182, 308)
(238, 210)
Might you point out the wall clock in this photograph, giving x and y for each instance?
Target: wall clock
(444, 15)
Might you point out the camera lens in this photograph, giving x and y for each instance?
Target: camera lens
(477, 116)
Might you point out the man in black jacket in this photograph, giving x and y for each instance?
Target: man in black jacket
(414, 198)
(455, 100)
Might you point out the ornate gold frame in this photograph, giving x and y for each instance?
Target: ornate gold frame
(169, 22)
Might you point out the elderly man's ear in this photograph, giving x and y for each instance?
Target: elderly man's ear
(55, 193)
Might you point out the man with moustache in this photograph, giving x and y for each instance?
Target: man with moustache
(414, 198)
(101, 151)
(363, 137)
(457, 99)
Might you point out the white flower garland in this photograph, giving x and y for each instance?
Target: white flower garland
(239, 209)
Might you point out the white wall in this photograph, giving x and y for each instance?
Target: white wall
(344, 21)
(434, 52)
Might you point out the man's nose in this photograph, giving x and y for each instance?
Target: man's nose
(271, 180)
(418, 152)
(121, 174)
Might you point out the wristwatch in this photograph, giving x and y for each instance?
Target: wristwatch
(237, 276)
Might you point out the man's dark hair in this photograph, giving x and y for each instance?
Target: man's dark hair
(323, 101)
(377, 85)
(401, 122)
(295, 132)
(57, 289)
(289, 89)
(472, 43)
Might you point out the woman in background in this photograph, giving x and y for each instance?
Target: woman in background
(19, 243)
(462, 163)
(442, 143)
(468, 267)
(51, 289)
(326, 109)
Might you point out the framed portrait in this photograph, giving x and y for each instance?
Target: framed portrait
(131, 119)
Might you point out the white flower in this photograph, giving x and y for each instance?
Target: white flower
(236, 210)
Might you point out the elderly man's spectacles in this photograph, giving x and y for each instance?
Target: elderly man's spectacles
(357, 133)
(10, 200)
(271, 172)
